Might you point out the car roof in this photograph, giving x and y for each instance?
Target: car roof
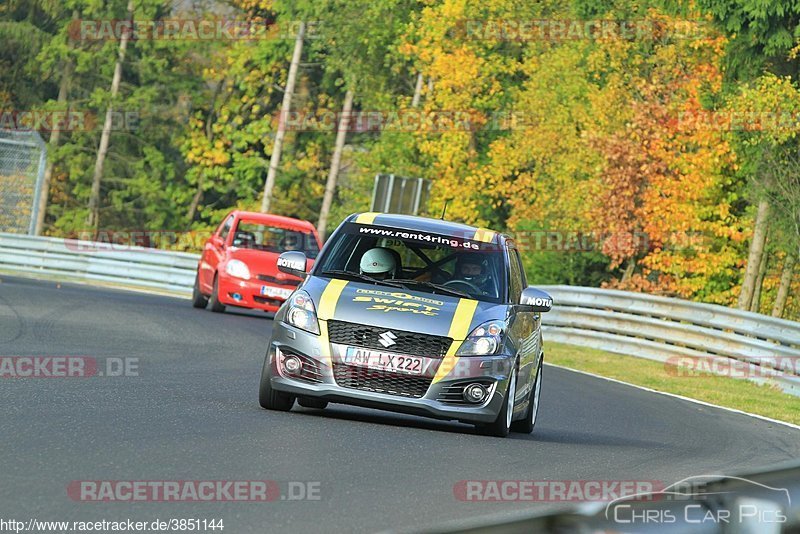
(269, 218)
(426, 224)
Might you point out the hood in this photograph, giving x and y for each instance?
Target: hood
(249, 255)
(398, 309)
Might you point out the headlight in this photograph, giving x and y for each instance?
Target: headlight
(484, 340)
(238, 269)
(301, 313)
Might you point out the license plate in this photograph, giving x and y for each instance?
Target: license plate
(279, 292)
(385, 361)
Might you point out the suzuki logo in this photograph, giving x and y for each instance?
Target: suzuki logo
(387, 339)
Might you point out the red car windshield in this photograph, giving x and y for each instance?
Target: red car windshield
(258, 236)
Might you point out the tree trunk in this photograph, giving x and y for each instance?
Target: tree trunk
(417, 91)
(286, 107)
(629, 270)
(333, 175)
(94, 199)
(755, 257)
(755, 305)
(784, 286)
(198, 196)
(55, 137)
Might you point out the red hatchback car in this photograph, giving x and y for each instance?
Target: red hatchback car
(239, 262)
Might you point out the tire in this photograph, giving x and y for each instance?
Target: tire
(308, 402)
(502, 424)
(268, 398)
(525, 426)
(216, 305)
(198, 299)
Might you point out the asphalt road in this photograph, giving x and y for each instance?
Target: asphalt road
(191, 413)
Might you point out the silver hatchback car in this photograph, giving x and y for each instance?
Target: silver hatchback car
(413, 315)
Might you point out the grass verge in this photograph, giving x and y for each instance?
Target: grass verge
(729, 392)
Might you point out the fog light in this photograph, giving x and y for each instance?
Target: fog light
(292, 364)
(236, 296)
(475, 393)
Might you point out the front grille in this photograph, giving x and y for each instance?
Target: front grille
(310, 370)
(272, 279)
(350, 376)
(366, 336)
(454, 393)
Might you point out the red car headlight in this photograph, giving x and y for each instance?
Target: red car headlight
(238, 269)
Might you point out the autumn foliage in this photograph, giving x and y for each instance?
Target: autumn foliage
(623, 131)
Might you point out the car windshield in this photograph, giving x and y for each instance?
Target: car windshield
(258, 236)
(417, 260)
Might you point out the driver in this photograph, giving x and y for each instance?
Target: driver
(472, 270)
(290, 242)
(378, 263)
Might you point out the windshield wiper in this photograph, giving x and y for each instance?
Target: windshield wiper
(359, 276)
(430, 285)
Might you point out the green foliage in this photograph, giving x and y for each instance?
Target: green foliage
(762, 34)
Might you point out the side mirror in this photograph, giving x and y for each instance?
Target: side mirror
(292, 262)
(535, 300)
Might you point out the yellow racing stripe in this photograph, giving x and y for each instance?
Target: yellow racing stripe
(367, 218)
(459, 329)
(330, 297)
(327, 308)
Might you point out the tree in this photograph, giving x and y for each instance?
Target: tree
(55, 137)
(765, 146)
(785, 285)
(94, 200)
(330, 186)
(286, 107)
(756, 256)
(783, 178)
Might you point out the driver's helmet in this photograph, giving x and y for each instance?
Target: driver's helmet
(471, 269)
(378, 263)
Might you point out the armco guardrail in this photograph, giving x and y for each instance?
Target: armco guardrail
(733, 342)
(85, 261)
(701, 336)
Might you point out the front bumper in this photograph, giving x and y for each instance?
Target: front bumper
(438, 400)
(247, 293)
